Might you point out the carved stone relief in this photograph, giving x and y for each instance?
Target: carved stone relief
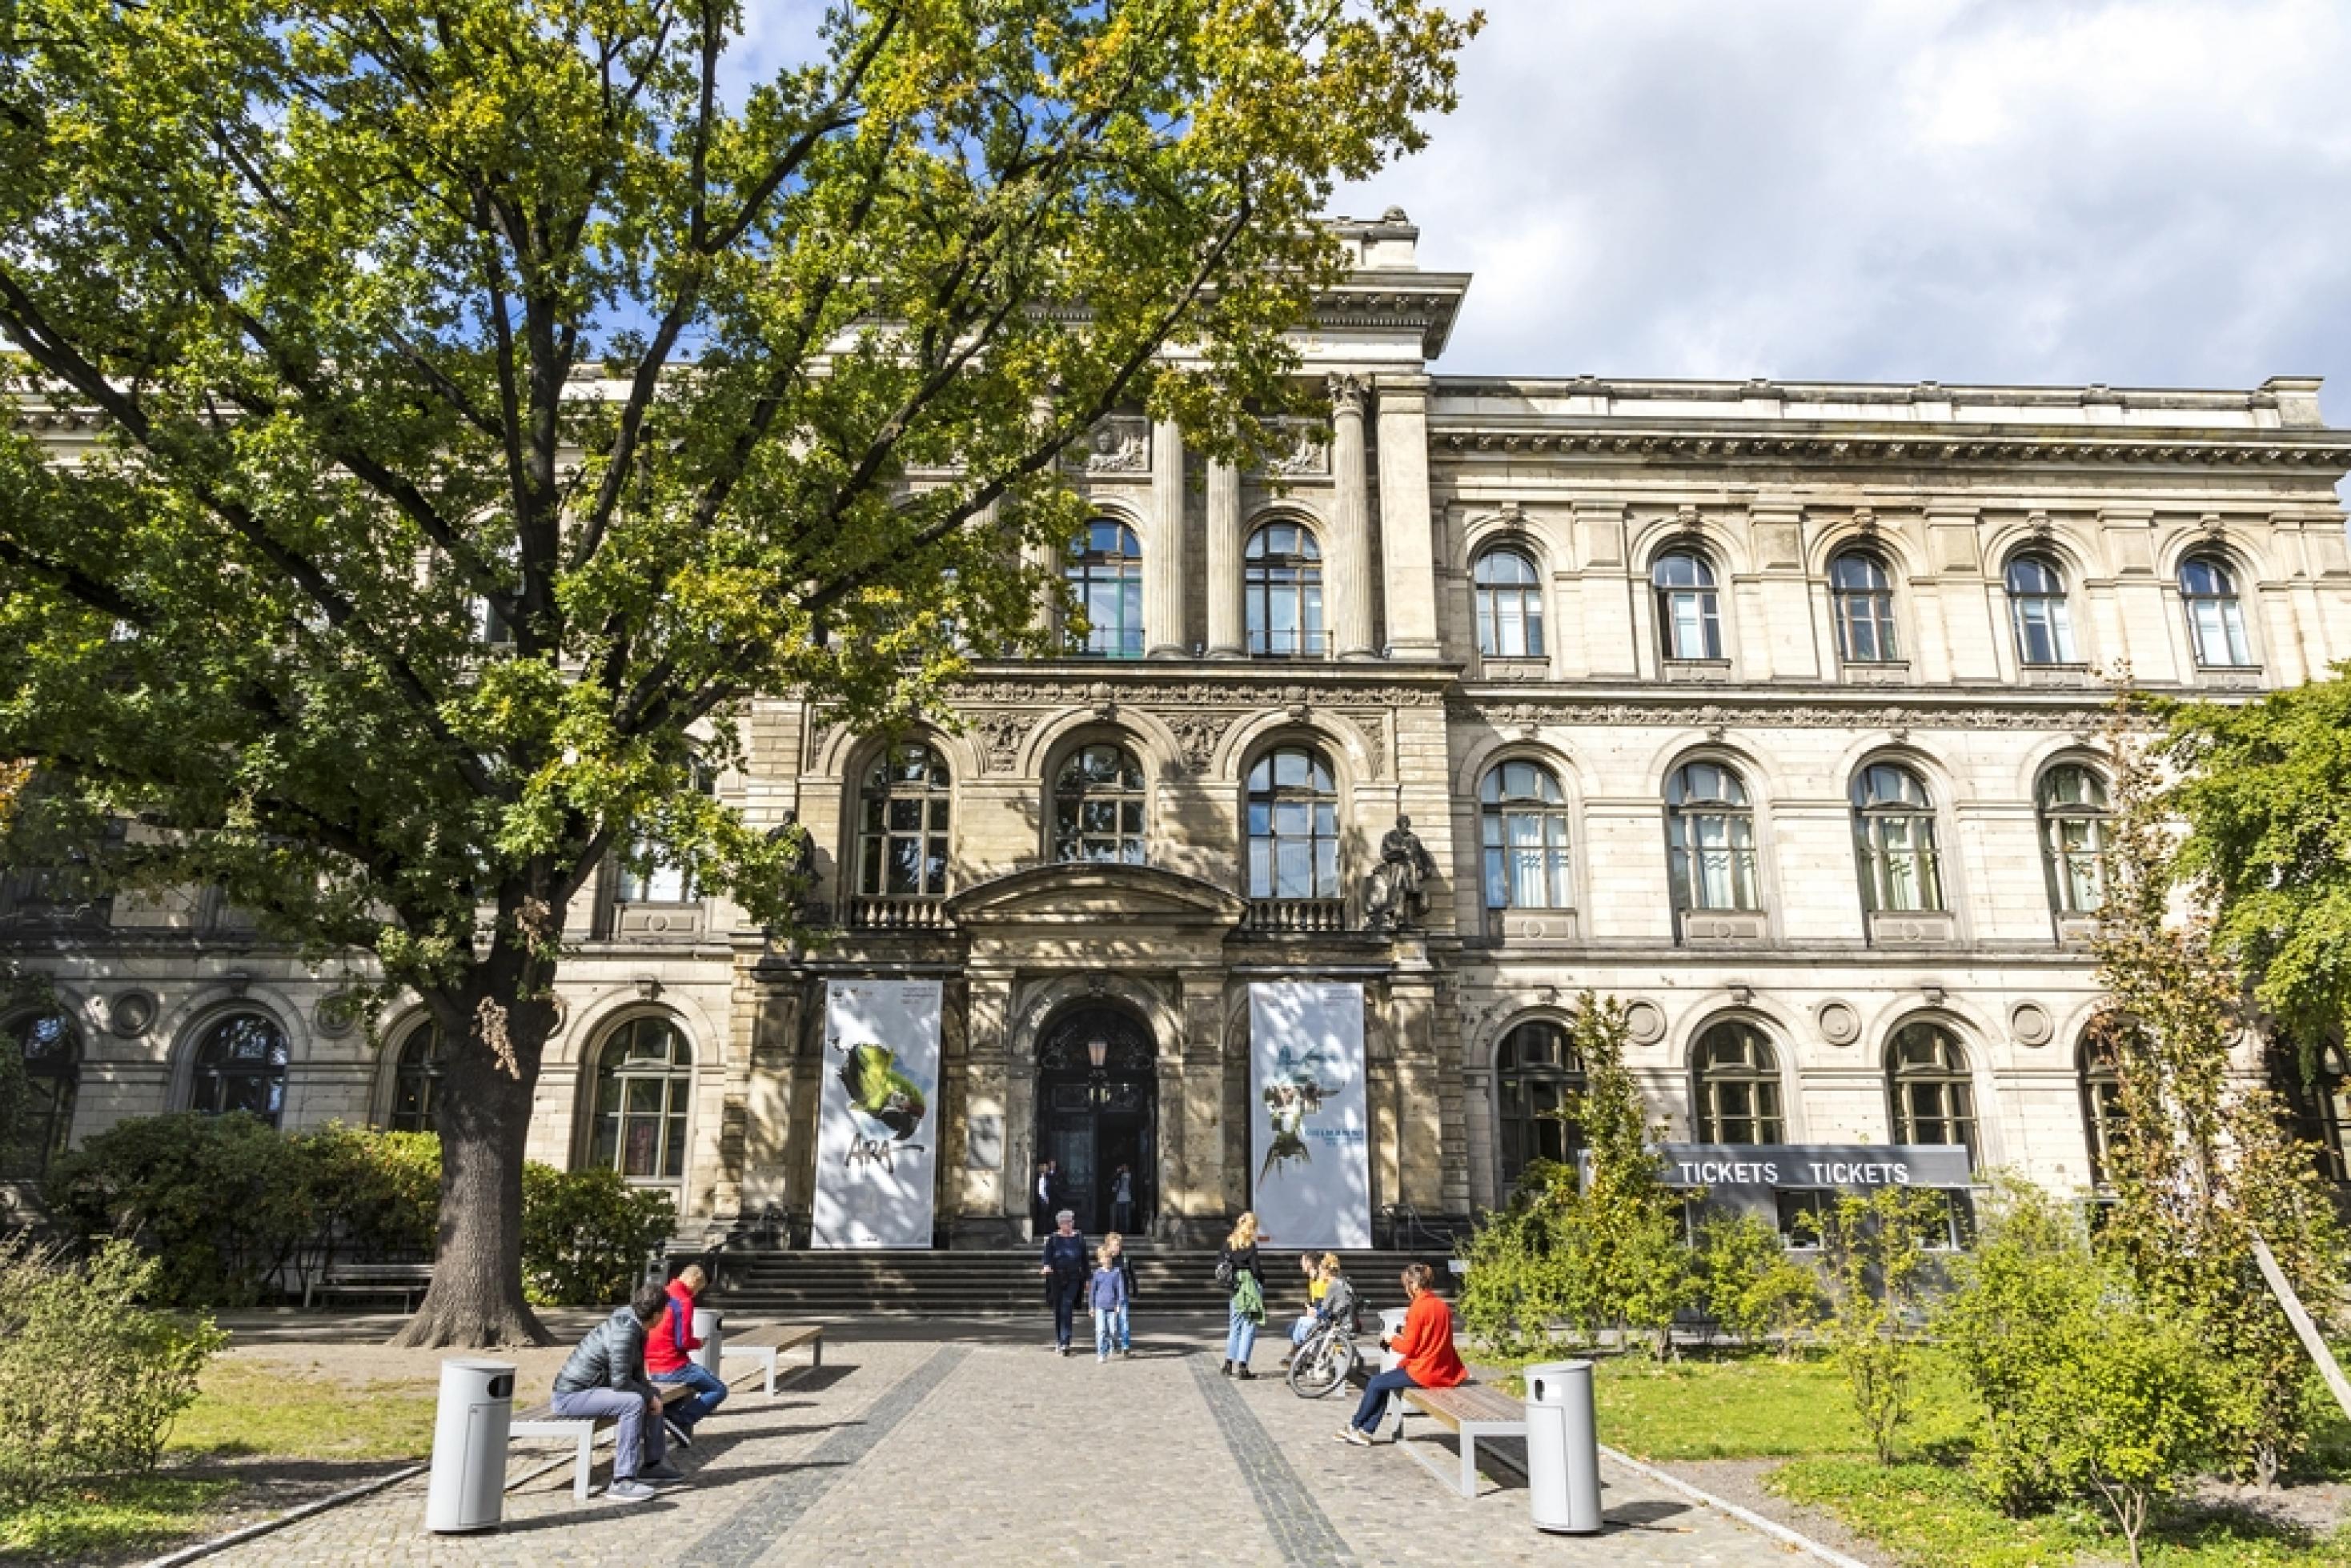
(1119, 444)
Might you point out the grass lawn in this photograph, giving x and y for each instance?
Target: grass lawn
(242, 1412)
(1925, 1511)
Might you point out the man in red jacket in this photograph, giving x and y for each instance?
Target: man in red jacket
(669, 1355)
(1425, 1344)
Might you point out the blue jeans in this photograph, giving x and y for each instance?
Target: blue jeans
(1123, 1321)
(1301, 1329)
(709, 1394)
(1065, 1309)
(1374, 1408)
(1240, 1336)
(637, 1438)
(1107, 1321)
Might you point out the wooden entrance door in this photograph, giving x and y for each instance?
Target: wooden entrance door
(1091, 1120)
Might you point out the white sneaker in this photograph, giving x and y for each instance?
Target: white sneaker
(630, 1492)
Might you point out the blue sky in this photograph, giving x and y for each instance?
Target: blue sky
(2135, 192)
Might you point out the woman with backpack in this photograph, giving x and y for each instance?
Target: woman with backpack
(1238, 1271)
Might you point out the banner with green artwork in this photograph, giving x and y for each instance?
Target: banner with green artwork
(1308, 1121)
(877, 1134)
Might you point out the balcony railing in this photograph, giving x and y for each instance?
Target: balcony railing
(1265, 643)
(897, 915)
(1303, 914)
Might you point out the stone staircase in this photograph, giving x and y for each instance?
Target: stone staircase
(828, 1283)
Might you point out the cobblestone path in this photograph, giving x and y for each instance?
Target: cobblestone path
(950, 1444)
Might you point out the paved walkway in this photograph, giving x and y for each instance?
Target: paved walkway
(960, 1443)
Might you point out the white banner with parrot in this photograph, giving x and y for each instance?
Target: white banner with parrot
(1309, 1117)
(877, 1133)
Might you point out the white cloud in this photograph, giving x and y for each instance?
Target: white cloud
(1963, 190)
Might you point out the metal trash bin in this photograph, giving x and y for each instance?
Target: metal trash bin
(1391, 1325)
(1562, 1449)
(468, 1487)
(710, 1328)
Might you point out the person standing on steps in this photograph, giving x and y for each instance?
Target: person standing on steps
(1115, 1245)
(1044, 1198)
(1121, 1200)
(1239, 1272)
(1106, 1294)
(1064, 1267)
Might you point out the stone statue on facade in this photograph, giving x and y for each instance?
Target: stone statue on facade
(800, 870)
(1396, 894)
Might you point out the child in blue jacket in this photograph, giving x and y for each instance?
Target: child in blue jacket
(1106, 1294)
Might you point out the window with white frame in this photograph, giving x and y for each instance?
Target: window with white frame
(1098, 798)
(1710, 839)
(2074, 812)
(1523, 823)
(1735, 1086)
(2039, 612)
(644, 1081)
(903, 815)
(1894, 833)
(1293, 826)
(2216, 616)
(1689, 606)
(1282, 592)
(1861, 596)
(1509, 604)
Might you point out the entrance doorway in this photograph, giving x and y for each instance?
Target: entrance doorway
(1097, 1109)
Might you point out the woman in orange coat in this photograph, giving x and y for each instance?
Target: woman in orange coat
(1426, 1345)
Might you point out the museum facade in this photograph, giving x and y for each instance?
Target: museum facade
(1769, 709)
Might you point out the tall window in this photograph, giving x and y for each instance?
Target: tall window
(1934, 1099)
(2037, 610)
(2072, 801)
(1862, 596)
(1689, 608)
(645, 1076)
(647, 877)
(1535, 1072)
(241, 1066)
(1894, 832)
(1106, 580)
(1293, 826)
(1525, 827)
(1282, 591)
(2102, 1104)
(902, 836)
(2216, 616)
(1098, 806)
(1735, 1095)
(1710, 839)
(1510, 605)
(416, 1079)
(50, 1048)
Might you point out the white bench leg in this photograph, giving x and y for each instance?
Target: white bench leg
(1469, 1462)
(586, 1465)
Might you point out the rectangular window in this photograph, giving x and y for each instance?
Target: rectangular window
(1802, 1210)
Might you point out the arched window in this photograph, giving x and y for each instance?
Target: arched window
(644, 1078)
(1934, 1099)
(1282, 592)
(902, 836)
(2073, 803)
(241, 1066)
(1293, 826)
(51, 1049)
(1106, 580)
(2216, 616)
(1894, 832)
(1690, 610)
(2317, 1106)
(1524, 819)
(1710, 839)
(1098, 806)
(2102, 1104)
(1535, 1072)
(1735, 1094)
(416, 1079)
(1510, 605)
(2037, 609)
(1861, 594)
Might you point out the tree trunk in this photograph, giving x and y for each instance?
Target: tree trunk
(484, 1114)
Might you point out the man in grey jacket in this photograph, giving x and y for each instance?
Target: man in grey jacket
(606, 1377)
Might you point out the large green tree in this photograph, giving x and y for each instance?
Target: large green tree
(404, 319)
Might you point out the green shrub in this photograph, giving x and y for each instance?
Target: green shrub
(586, 1235)
(1873, 1246)
(1753, 1289)
(90, 1380)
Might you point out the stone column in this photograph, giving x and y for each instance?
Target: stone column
(994, 1188)
(1227, 622)
(1351, 530)
(1200, 1112)
(1407, 542)
(1163, 555)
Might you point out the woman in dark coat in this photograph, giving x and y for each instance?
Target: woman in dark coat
(1065, 1267)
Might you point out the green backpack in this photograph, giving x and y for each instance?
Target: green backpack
(1248, 1296)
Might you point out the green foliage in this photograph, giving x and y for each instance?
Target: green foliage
(90, 1379)
(2200, 1161)
(129, 1518)
(2131, 1403)
(1873, 1247)
(1750, 1407)
(2264, 789)
(1752, 1288)
(1606, 1255)
(586, 1235)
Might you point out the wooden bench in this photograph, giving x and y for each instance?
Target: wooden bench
(409, 1281)
(768, 1343)
(1472, 1410)
(541, 1421)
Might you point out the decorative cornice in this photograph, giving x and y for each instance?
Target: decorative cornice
(2325, 450)
(1719, 713)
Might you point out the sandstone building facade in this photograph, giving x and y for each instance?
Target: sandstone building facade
(1766, 708)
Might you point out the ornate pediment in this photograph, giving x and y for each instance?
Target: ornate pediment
(1087, 893)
